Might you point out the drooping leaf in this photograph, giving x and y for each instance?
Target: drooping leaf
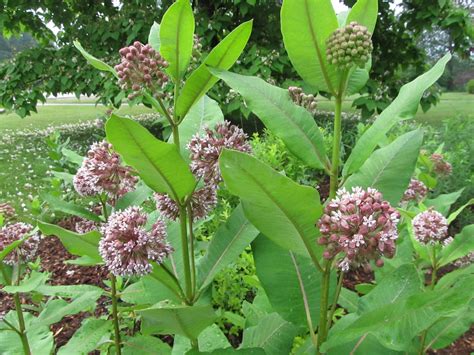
(390, 168)
(87, 337)
(205, 113)
(273, 334)
(57, 204)
(456, 213)
(154, 36)
(454, 276)
(404, 107)
(280, 208)
(442, 203)
(292, 123)
(227, 244)
(164, 318)
(159, 164)
(176, 37)
(30, 283)
(462, 244)
(222, 56)
(284, 292)
(9, 248)
(96, 63)
(305, 26)
(72, 156)
(77, 244)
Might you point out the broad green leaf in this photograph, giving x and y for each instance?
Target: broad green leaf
(176, 38)
(40, 338)
(135, 197)
(284, 291)
(222, 56)
(10, 247)
(462, 244)
(145, 345)
(56, 309)
(212, 338)
(82, 261)
(396, 324)
(456, 213)
(280, 208)
(148, 291)
(57, 204)
(159, 164)
(154, 36)
(404, 107)
(205, 113)
(273, 334)
(348, 299)
(390, 168)
(77, 244)
(227, 351)
(396, 286)
(87, 337)
(365, 13)
(164, 318)
(454, 276)
(442, 203)
(96, 63)
(72, 156)
(226, 245)
(31, 282)
(305, 26)
(444, 332)
(358, 78)
(292, 123)
(68, 291)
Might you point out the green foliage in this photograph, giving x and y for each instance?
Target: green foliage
(470, 86)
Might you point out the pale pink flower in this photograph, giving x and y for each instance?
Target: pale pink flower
(441, 166)
(27, 250)
(416, 191)
(430, 227)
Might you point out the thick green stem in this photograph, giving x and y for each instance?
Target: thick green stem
(336, 149)
(336, 298)
(191, 244)
(117, 341)
(323, 317)
(19, 313)
(185, 247)
(432, 286)
(175, 135)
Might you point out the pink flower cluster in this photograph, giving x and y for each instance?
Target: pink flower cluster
(102, 172)
(441, 166)
(141, 67)
(7, 211)
(127, 247)
(204, 154)
(360, 225)
(26, 251)
(205, 150)
(430, 227)
(416, 191)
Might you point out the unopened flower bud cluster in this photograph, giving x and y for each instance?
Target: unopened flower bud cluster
(349, 46)
(141, 67)
(303, 100)
(103, 172)
(430, 227)
(441, 166)
(127, 247)
(359, 226)
(27, 250)
(416, 191)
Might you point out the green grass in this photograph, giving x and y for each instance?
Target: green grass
(60, 115)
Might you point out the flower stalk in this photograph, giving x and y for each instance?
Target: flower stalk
(19, 311)
(117, 341)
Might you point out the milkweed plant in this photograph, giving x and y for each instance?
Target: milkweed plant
(377, 217)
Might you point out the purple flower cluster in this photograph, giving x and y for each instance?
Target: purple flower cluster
(102, 172)
(360, 225)
(441, 166)
(26, 251)
(430, 227)
(202, 202)
(141, 67)
(205, 150)
(416, 191)
(127, 247)
(7, 211)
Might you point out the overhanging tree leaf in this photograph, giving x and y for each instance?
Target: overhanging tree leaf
(227, 244)
(404, 107)
(96, 63)
(390, 168)
(176, 38)
(77, 244)
(159, 164)
(305, 26)
(280, 208)
(222, 56)
(292, 123)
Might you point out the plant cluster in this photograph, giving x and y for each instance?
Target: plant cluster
(151, 197)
